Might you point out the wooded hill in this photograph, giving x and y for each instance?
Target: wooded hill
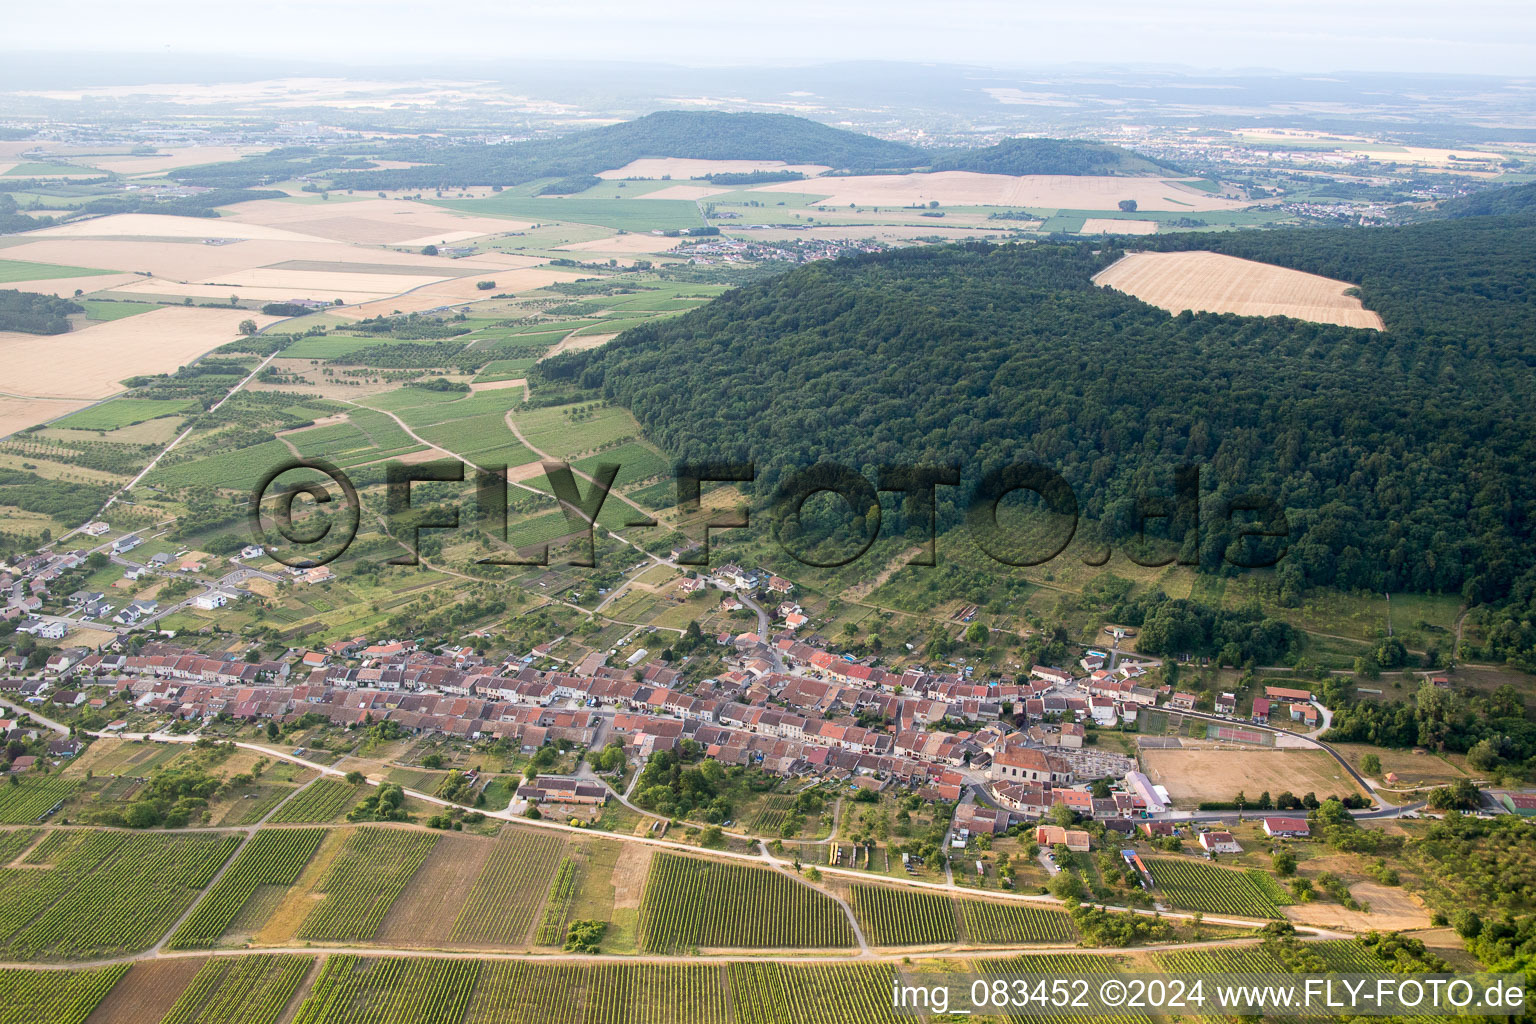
(1403, 457)
(1050, 156)
(701, 135)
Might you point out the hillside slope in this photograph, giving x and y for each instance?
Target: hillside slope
(699, 135)
(1402, 456)
(1051, 156)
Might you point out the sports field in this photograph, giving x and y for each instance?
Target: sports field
(1195, 775)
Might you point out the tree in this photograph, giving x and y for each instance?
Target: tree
(429, 250)
(1128, 205)
(1370, 764)
(1284, 863)
(975, 633)
(273, 731)
(248, 327)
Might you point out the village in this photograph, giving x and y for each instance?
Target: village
(1004, 751)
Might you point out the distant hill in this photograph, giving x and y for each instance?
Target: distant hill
(698, 135)
(687, 134)
(1505, 201)
(1051, 156)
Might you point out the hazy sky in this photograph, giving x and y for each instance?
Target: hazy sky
(1444, 36)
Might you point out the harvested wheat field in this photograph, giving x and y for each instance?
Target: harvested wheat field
(677, 167)
(19, 412)
(159, 225)
(625, 244)
(689, 192)
(191, 260)
(1111, 226)
(967, 188)
(447, 293)
(91, 363)
(1195, 775)
(169, 159)
(372, 221)
(65, 287)
(1210, 282)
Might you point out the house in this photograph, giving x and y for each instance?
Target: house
(1226, 704)
(1158, 829)
(794, 620)
(1219, 842)
(1304, 713)
(95, 529)
(1183, 701)
(1287, 827)
(208, 602)
(125, 544)
(1261, 710)
(23, 763)
(159, 559)
(51, 630)
(1073, 839)
(780, 585)
(252, 551)
(319, 574)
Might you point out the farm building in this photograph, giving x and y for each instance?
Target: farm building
(1288, 827)
(1286, 693)
(562, 789)
(1156, 800)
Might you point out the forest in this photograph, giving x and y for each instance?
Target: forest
(1400, 457)
(1050, 156)
(701, 135)
(32, 313)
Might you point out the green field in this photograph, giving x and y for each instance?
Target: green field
(23, 270)
(1000, 924)
(352, 990)
(904, 917)
(692, 903)
(240, 990)
(32, 797)
(322, 801)
(272, 857)
(1196, 885)
(54, 997)
(112, 309)
(122, 412)
(363, 881)
(105, 893)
